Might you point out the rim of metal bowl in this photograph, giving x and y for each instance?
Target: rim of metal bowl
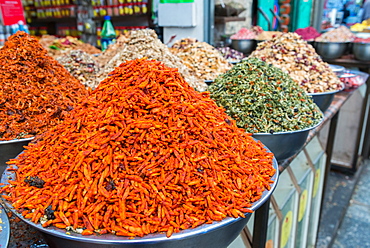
(337, 68)
(150, 238)
(291, 132)
(333, 42)
(327, 92)
(5, 228)
(2, 142)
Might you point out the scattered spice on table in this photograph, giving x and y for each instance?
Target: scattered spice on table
(145, 43)
(292, 54)
(203, 60)
(339, 34)
(81, 65)
(35, 90)
(144, 153)
(264, 99)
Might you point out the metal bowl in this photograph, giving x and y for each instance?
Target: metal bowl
(10, 149)
(323, 99)
(361, 51)
(4, 228)
(337, 68)
(284, 144)
(244, 46)
(217, 235)
(331, 50)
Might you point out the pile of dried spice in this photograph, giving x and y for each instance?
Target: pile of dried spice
(144, 153)
(292, 54)
(264, 99)
(35, 90)
(81, 65)
(203, 60)
(145, 43)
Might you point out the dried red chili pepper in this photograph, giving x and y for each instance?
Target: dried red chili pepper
(144, 153)
(35, 90)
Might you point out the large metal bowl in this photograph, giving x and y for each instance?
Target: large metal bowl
(331, 50)
(284, 144)
(10, 149)
(361, 51)
(244, 46)
(217, 235)
(4, 228)
(323, 99)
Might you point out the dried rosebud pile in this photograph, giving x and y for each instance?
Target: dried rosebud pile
(292, 54)
(35, 90)
(143, 153)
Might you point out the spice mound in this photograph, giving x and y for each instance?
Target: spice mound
(299, 59)
(145, 43)
(264, 99)
(308, 33)
(144, 153)
(81, 65)
(340, 34)
(35, 90)
(203, 60)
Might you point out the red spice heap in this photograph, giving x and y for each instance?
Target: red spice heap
(35, 90)
(144, 153)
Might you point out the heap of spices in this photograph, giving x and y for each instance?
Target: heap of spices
(243, 34)
(308, 33)
(295, 56)
(145, 43)
(230, 54)
(144, 153)
(267, 35)
(340, 34)
(183, 43)
(203, 60)
(35, 90)
(264, 99)
(81, 65)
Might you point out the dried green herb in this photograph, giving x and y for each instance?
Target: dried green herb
(264, 99)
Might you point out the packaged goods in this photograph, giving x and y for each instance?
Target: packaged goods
(264, 99)
(145, 43)
(203, 60)
(36, 91)
(293, 55)
(143, 153)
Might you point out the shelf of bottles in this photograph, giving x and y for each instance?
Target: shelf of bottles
(119, 8)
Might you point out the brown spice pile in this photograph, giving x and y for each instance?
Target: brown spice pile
(203, 60)
(292, 54)
(35, 90)
(144, 153)
(145, 43)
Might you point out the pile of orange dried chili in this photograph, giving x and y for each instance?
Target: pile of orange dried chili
(35, 90)
(144, 153)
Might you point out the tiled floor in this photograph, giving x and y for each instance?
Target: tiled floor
(345, 218)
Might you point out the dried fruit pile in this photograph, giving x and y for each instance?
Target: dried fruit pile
(144, 153)
(203, 60)
(35, 90)
(264, 99)
(145, 43)
(340, 34)
(81, 65)
(292, 54)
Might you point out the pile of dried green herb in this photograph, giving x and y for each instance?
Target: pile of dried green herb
(262, 98)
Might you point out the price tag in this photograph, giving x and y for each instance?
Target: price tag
(302, 204)
(316, 182)
(286, 228)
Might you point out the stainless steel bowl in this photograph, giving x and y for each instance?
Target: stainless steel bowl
(361, 51)
(337, 68)
(284, 144)
(217, 235)
(323, 99)
(244, 46)
(10, 149)
(4, 228)
(331, 50)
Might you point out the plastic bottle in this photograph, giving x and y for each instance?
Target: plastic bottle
(23, 27)
(2, 36)
(108, 34)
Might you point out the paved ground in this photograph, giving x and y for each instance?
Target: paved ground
(345, 218)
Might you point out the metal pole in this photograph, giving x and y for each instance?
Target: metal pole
(260, 225)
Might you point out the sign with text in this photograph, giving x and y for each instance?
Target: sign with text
(12, 11)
